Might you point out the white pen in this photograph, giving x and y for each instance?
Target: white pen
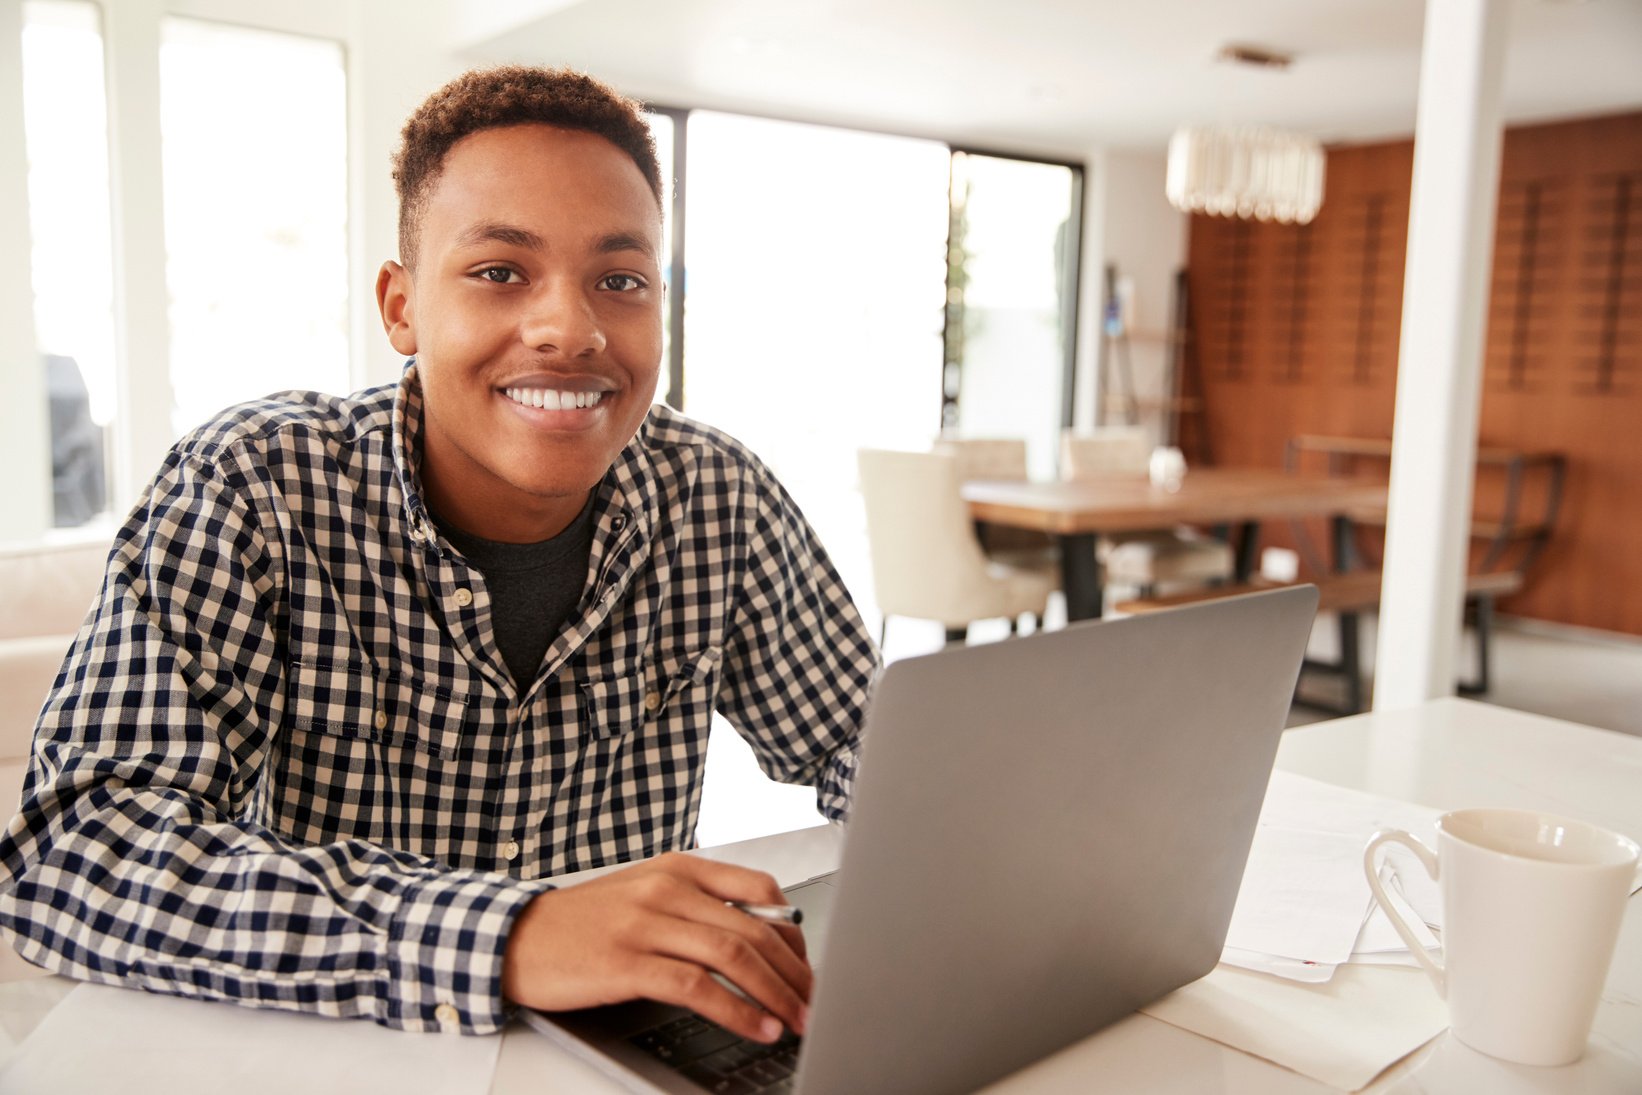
(773, 914)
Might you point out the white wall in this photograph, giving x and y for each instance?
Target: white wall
(1128, 222)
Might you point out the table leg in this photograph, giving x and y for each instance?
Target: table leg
(1080, 577)
(1246, 548)
(1350, 623)
(1344, 553)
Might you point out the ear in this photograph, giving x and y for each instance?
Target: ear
(393, 300)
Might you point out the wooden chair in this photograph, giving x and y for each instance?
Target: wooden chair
(926, 560)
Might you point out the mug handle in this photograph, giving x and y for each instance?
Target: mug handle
(1429, 859)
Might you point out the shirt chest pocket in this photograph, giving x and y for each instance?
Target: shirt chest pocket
(358, 704)
(620, 704)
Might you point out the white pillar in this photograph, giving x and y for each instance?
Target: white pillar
(142, 338)
(1445, 297)
(25, 427)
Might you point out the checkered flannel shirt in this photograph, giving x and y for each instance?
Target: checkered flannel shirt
(285, 764)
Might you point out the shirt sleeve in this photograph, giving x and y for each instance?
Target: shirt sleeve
(138, 858)
(799, 662)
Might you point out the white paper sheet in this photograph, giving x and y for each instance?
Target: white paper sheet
(1343, 1033)
(1292, 969)
(1349, 1014)
(1302, 905)
(1303, 896)
(170, 1046)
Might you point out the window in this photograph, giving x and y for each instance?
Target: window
(813, 315)
(1010, 311)
(813, 327)
(254, 151)
(664, 129)
(72, 270)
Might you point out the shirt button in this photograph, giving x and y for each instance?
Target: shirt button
(464, 597)
(447, 1015)
(510, 850)
(618, 521)
(652, 701)
(381, 720)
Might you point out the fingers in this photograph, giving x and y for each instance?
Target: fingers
(733, 883)
(697, 926)
(662, 930)
(688, 985)
(775, 943)
(713, 949)
(793, 936)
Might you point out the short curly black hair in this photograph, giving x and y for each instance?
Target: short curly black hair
(490, 98)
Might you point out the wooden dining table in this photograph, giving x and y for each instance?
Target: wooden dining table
(1231, 500)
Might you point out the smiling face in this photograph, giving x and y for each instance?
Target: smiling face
(534, 313)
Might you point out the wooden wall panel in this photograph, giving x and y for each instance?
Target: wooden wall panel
(1295, 330)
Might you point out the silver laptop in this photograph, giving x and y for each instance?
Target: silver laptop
(1047, 833)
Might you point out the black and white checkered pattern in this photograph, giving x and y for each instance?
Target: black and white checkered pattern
(285, 764)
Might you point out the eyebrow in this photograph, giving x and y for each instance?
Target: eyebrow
(492, 232)
(514, 236)
(624, 241)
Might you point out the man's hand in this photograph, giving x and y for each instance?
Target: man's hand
(660, 930)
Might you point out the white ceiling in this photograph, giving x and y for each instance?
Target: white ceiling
(1063, 76)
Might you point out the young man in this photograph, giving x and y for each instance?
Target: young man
(363, 671)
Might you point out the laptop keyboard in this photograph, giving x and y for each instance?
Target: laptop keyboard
(719, 1061)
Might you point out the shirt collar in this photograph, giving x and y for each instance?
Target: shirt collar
(407, 453)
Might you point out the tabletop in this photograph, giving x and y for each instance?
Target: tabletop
(1444, 754)
(1207, 496)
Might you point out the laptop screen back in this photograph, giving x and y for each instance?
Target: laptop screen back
(1047, 834)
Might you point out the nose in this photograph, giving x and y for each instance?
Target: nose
(560, 316)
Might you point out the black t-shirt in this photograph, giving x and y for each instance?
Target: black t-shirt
(533, 588)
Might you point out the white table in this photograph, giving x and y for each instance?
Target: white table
(1446, 754)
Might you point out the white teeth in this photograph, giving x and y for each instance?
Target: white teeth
(551, 399)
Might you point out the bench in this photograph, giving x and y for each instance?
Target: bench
(1517, 497)
(1348, 596)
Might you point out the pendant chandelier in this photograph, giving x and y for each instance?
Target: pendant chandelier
(1246, 171)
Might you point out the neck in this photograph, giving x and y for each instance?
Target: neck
(484, 505)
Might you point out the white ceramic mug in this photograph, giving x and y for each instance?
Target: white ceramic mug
(1167, 467)
(1531, 909)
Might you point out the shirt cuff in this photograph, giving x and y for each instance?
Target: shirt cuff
(446, 944)
(837, 786)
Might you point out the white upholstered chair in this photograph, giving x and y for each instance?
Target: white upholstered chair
(926, 561)
(986, 457)
(1179, 556)
(1001, 458)
(1110, 450)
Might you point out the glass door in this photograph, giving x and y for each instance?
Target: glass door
(1011, 288)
